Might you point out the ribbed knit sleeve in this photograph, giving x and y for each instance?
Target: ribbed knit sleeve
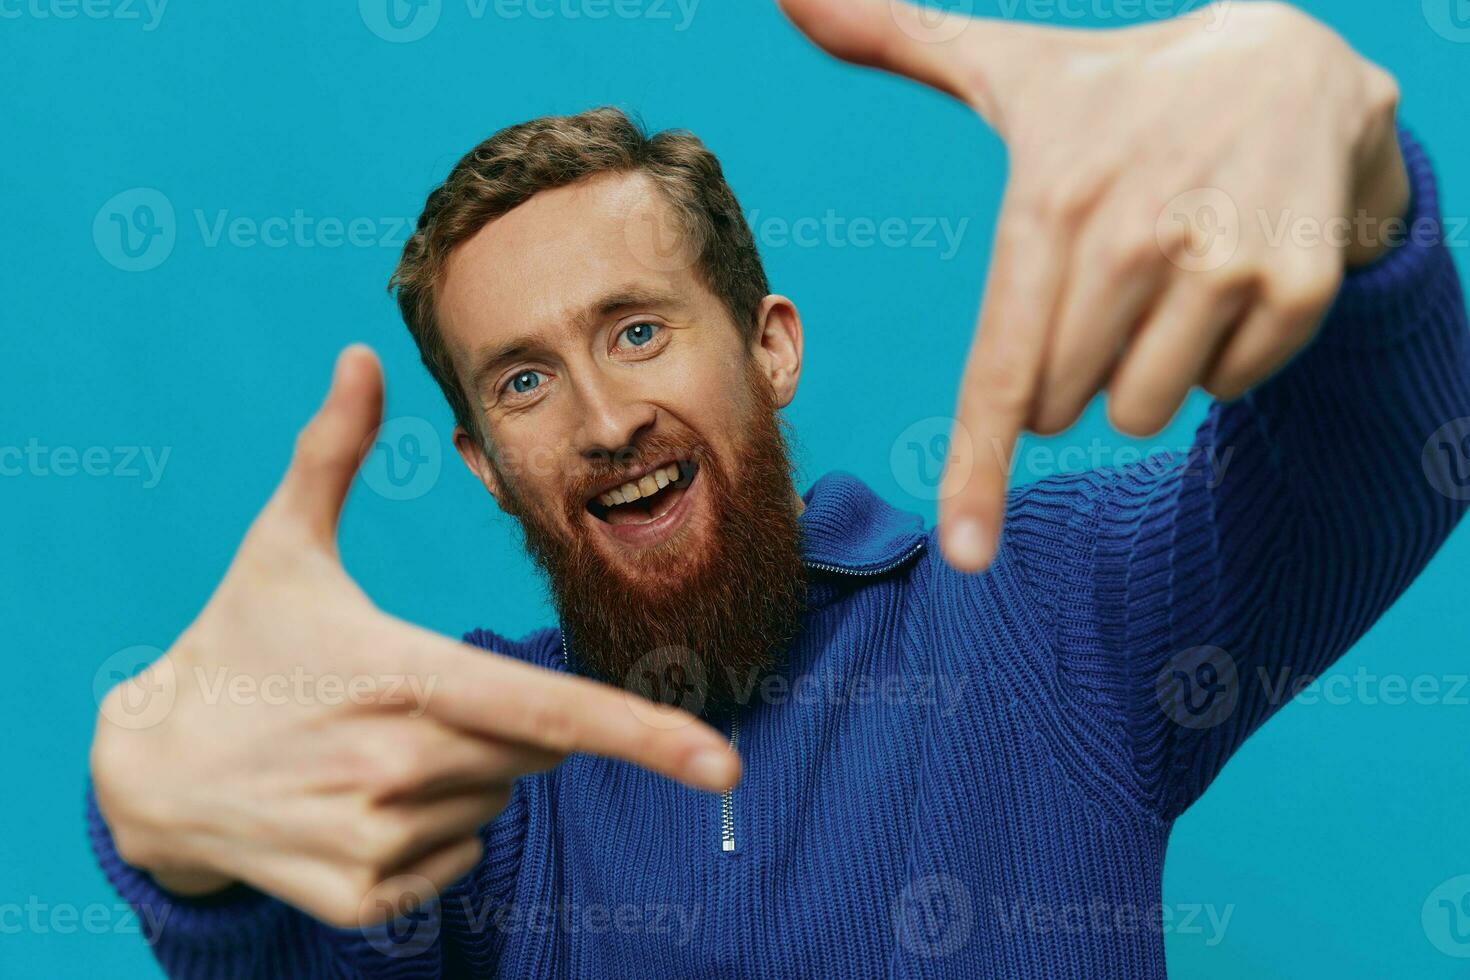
(1190, 596)
(243, 932)
(237, 933)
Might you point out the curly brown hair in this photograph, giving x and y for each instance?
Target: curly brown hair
(553, 151)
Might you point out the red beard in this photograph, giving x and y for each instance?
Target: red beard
(696, 627)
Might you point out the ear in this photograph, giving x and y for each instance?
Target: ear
(777, 346)
(479, 464)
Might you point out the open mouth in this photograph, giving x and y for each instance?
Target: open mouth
(646, 496)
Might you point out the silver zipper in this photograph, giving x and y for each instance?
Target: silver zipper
(868, 571)
(727, 798)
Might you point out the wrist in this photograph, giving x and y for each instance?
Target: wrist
(1380, 192)
(191, 884)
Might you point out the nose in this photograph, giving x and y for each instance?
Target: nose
(612, 417)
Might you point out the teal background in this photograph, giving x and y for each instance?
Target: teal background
(1322, 839)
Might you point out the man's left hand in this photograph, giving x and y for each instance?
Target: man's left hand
(1183, 199)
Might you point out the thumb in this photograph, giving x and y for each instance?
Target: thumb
(922, 43)
(331, 446)
(956, 53)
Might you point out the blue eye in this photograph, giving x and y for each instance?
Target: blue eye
(525, 381)
(640, 333)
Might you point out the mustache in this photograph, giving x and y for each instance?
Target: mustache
(614, 467)
(596, 470)
(727, 608)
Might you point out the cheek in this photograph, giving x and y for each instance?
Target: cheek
(713, 401)
(531, 472)
(709, 384)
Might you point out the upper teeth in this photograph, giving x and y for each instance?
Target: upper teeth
(644, 486)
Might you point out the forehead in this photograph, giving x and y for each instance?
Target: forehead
(556, 254)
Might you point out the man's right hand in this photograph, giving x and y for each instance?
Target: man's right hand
(330, 803)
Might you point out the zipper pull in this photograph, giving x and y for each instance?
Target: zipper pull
(727, 798)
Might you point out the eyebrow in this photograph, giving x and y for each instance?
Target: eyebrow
(618, 300)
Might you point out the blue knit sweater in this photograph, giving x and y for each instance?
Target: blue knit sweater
(965, 776)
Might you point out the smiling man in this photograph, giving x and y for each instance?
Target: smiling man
(592, 304)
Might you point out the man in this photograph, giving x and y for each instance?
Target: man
(593, 306)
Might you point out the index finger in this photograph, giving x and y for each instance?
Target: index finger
(1000, 384)
(507, 700)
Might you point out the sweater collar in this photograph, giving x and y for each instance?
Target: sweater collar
(846, 527)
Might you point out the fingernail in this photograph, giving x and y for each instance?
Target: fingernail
(344, 355)
(339, 370)
(347, 353)
(968, 545)
(713, 768)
